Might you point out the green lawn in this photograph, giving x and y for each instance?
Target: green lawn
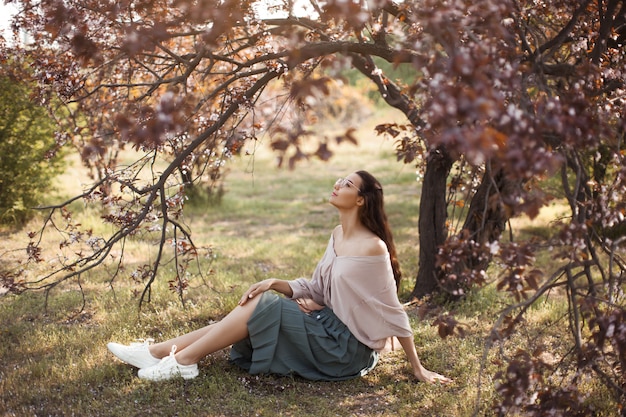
(271, 222)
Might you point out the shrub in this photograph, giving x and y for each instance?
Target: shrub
(28, 160)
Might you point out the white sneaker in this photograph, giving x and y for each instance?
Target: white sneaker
(137, 354)
(169, 368)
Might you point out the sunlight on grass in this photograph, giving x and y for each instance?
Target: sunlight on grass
(271, 223)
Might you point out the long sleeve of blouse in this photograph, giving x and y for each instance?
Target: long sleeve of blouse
(361, 291)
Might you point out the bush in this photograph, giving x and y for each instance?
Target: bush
(27, 158)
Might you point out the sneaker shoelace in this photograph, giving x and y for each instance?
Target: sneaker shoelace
(173, 351)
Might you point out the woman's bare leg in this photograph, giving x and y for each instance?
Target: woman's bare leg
(162, 349)
(193, 346)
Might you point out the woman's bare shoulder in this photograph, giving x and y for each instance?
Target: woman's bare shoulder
(374, 246)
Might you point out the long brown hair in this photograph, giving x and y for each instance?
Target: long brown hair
(372, 215)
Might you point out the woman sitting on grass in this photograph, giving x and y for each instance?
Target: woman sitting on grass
(330, 327)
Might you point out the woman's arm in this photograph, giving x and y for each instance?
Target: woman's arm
(277, 285)
(419, 371)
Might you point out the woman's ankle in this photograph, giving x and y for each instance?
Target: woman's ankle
(183, 361)
(157, 351)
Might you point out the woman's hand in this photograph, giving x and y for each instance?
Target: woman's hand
(307, 305)
(419, 371)
(431, 377)
(256, 289)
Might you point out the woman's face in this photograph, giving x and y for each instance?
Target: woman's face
(345, 192)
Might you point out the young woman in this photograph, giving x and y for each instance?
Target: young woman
(330, 327)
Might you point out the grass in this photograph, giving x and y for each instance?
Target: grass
(271, 223)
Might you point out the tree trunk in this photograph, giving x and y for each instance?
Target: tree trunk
(486, 220)
(432, 221)
(487, 215)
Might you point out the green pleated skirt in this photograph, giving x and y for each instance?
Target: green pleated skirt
(285, 341)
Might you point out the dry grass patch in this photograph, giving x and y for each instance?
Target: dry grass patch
(271, 223)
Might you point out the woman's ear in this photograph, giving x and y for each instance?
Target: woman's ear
(360, 201)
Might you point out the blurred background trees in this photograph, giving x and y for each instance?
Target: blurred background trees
(28, 150)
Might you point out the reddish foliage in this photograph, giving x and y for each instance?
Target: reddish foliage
(507, 92)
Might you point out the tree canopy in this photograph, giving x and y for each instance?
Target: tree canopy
(506, 95)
